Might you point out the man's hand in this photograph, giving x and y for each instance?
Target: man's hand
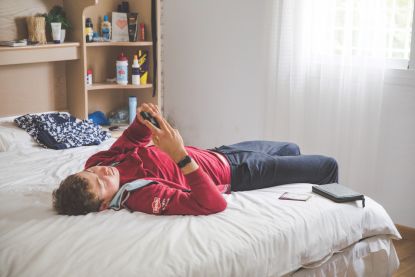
(166, 138)
(146, 107)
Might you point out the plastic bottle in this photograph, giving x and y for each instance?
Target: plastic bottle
(132, 103)
(95, 37)
(89, 77)
(135, 79)
(89, 30)
(122, 69)
(142, 32)
(106, 29)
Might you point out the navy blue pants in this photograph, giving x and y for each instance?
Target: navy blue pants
(261, 164)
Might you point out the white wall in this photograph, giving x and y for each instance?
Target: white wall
(215, 66)
(396, 165)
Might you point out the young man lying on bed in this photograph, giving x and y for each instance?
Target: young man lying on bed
(167, 178)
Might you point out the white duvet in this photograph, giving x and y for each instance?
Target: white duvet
(257, 235)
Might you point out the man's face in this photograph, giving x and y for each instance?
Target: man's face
(104, 182)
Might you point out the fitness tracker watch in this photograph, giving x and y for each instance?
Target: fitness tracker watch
(186, 160)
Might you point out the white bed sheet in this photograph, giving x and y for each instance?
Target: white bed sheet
(257, 235)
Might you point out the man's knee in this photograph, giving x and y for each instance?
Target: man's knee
(331, 169)
(291, 149)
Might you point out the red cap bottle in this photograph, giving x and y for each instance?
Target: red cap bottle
(122, 57)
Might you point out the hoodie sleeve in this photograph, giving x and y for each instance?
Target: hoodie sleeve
(161, 199)
(136, 135)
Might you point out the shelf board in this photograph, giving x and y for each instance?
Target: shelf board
(101, 86)
(116, 43)
(50, 52)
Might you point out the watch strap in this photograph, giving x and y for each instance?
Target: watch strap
(186, 160)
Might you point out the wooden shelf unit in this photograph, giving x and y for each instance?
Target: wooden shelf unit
(39, 53)
(101, 57)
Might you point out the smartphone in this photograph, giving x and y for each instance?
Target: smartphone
(150, 118)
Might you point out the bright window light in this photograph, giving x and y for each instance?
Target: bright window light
(398, 25)
(399, 29)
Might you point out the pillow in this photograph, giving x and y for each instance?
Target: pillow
(13, 137)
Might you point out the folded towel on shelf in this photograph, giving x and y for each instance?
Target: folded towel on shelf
(61, 130)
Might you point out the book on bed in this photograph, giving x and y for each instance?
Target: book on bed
(338, 193)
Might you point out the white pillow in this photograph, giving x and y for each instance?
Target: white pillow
(13, 137)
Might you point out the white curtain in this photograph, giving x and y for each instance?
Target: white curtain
(326, 81)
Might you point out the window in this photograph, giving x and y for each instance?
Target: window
(398, 28)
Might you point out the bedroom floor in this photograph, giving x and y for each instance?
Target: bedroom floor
(406, 254)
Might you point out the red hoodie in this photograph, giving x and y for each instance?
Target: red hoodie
(197, 193)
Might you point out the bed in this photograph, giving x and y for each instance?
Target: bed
(257, 235)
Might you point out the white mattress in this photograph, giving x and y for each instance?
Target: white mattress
(257, 235)
(374, 256)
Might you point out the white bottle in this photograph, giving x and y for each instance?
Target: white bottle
(89, 77)
(132, 103)
(135, 72)
(122, 70)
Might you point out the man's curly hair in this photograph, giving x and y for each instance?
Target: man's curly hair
(73, 197)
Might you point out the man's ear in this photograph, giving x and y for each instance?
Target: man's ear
(104, 206)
